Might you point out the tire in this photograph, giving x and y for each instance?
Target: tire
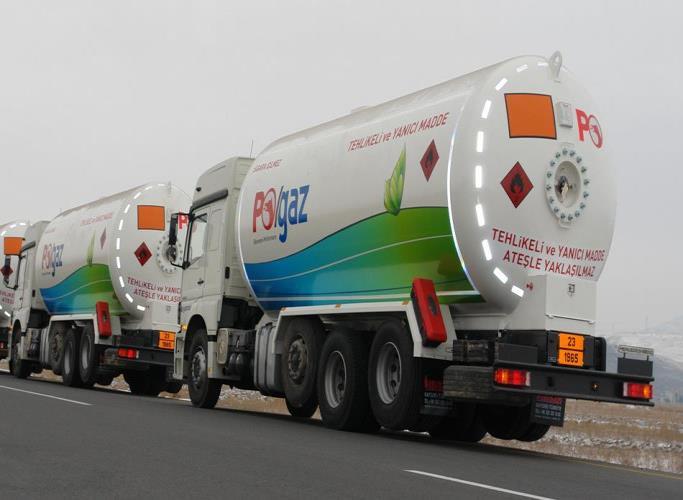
(173, 386)
(104, 379)
(88, 358)
(505, 422)
(302, 412)
(534, 432)
(204, 392)
(343, 383)
(56, 355)
(70, 372)
(302, 343)
(146, 382)
(465, 426)
(394, 383)
(20, 368)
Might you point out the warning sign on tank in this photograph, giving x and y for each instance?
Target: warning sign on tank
(517, 184)
(429, 160)
(143, 253)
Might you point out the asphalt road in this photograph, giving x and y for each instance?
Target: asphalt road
(107, 444)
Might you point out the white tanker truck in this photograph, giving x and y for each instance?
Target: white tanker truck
(95, 294)
(11, 235)
(429, 263)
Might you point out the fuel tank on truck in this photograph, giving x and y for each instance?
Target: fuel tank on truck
(11, 233)
(112, 250)
(479, 184)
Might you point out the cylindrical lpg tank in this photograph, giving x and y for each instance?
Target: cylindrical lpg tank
(113, 250)
(9, 234)
(476, 184)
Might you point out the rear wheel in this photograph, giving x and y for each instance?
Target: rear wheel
(56, 354)
(204, 392)
(395, 389)
(70, 373)
(343, 383)
(534, 432)
(173, 386)
(88, 359)
(464, 426)
(146, 383)
(302, 343)
(506, 422)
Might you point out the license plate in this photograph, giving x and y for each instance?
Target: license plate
(570, 358)
(571, 341)
(166, 340)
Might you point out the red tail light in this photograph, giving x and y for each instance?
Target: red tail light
(127, 353)
(510, 376)
(636, 390)
(428, 312)
(103, 319)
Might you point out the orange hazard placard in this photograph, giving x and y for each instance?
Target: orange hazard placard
(151, 217)
(530, 115)
(12, 245)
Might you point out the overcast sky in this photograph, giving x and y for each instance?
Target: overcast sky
(97, 96)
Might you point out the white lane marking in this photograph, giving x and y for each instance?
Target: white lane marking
(45, 395)
(478, 485)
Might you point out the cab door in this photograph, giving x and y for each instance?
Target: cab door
(194, 275)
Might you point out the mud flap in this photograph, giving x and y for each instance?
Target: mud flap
(433, 400)
(548, 410)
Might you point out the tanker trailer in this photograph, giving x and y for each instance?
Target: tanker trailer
(429, 263)
(11, 234)
(96, 294)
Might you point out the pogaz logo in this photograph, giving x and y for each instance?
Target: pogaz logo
(52, 258)
(277, 210)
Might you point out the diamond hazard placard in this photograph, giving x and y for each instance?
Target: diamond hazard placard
(143, 253)
(517, 184)
(429, 160)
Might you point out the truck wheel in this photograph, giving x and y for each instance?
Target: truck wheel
(465, 426)
(173, 386)
(302, 412)
(301, 353)
(343, 383)
(505, 422)
(20, 368)
(534, 432)
(88, 358)
(146, 383)
(394, 378)
(56, 352)
(203, 391)
(70, 373)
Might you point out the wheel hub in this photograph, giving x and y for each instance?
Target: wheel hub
(297, 360)
(198, 370)
(335, 379)
(388, 375)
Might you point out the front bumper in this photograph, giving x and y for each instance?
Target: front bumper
(476, 383)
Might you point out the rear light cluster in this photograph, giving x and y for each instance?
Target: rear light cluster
(512, 377)
(128, 353)
(636, 390)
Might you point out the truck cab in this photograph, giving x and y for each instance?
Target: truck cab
(215, 298)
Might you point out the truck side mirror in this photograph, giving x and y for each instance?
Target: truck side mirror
(173, 230)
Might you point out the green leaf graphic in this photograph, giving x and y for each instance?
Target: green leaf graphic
(393, 187)
(91, 250)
